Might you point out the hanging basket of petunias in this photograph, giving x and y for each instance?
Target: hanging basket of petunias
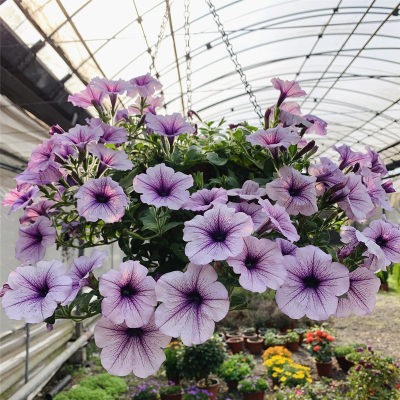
(197, 209)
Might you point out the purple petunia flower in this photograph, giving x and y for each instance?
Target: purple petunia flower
(294, 191)
(191, 303)
(43, 156)
(377, 165)
(287, 89)
(357, 203)
(327, 173)
(115, 159)
(254, 211)
(318, 125)
(51, 174)
(168, 125)
(387, 236)
(129, 295)
(216, 235)
(279, 220)
(250, 191)
(34, 239)
(162, 186)
(110, 87)
(20, 197)
(349, 157)
(56, 130)
(91, 96)
(388, 187)
(204, 199)
(80, 269)
(144, 85)
(152, 104)
(126, 350)
(36, 291)
(33, 212)
(274, 139)
(360, 299)
(312, 285)
(102, 199)
(373, 183)
(260, 265)
(110, 134)
(80, 136)
(287, 248)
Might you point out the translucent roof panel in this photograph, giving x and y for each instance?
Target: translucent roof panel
(345, 54)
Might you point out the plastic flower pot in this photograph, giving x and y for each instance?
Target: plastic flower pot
(344, 363)
(254, 395)
(211, 386)
(235, 344)
(248, 336)
(255, 345)
(232, 385)
(324, 368)
(177, 396)
(292, 346)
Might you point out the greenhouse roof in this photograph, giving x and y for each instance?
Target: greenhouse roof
(344, 53)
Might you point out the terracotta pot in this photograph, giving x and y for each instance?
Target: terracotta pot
(293, 346)
(235, 344)
(384, 287)
(247, 336)
(255, 346)
(231, 334)
(344, 363)
(212, 389)
(324, 368)
(171, 396)
(232, 385)
(254, 395)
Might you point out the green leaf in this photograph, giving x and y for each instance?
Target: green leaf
(127, 180)
(269, 168)
(170, 225)
(215, 159)
(149, 223)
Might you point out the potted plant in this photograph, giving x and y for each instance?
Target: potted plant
(172, 363)
(340, 353)
(235, 344)
(269, 338)
(292, 340)
(147, 391)
(301, 332)
(194, 393)
(235, 368)
(199, 361)
(253, 388)
(255, 345)
(319, 345)
(171, 391)
(383, 276)
(276, 351)
(233, 333)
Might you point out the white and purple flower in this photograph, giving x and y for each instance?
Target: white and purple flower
(287, 89)
(250, 191)
(168, 125)
(191, 303)
(20, 197)
(91, 96)
(115, 159)
(144, 85)
(349, 157)
(80, 136)
(204, 199)
(253, 210)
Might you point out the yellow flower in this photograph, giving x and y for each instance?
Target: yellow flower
(309, 380)
(288, 373)
(283, 379)
(274, 374)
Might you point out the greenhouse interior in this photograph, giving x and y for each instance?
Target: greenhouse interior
(200, 199)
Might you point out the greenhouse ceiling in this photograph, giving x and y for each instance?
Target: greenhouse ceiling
(344, 53)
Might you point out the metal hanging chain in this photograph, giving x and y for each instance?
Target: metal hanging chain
(188, 57)
(159, 40)
(235, 60)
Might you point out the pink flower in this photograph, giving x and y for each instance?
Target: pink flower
(126, 350)
(144, 85)
(108, 86)
(34, 239)
(168, 125)
(318, 126)
(36, 291)
(51, 174)
(287, 89)
(20, 197)
(91, 96)
(191, 303)
(260, 265)
(41, 208)
(204, 199)
(250, 191)
(129, 295)
(153, 103)
(216, 235)
(294, 191)
(110, 158)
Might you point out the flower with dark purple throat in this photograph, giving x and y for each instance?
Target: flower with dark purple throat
(216, 235)
(36, 291)
(204, 199)
(102, 199)
(168, 125)
(191, 303)
(312, 285)
(126, 350)
(294, 191)
(162, 186)
(34, 239)
(260, 265)
(144, 85)
(80, 136)
(110, 87)
(129, 295)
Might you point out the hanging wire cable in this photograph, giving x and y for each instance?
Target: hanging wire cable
(188, 57)
(235, 60)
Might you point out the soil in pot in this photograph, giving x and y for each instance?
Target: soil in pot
(211, 385)
(254, 395)
(247, 336)
(324, 368)
(177, 396)
(231, 334)
(292, 346)
(344, 364)
(255, 346)
(235, 344)
(232, 385)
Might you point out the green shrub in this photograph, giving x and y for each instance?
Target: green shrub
(173, 361)
(235, 368)
(84, 393)
(112, 385)
(171, 389)
(253, 384)
(341, 351)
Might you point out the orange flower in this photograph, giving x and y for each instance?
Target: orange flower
(317, 348)
(309, 340)
(330, 338)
